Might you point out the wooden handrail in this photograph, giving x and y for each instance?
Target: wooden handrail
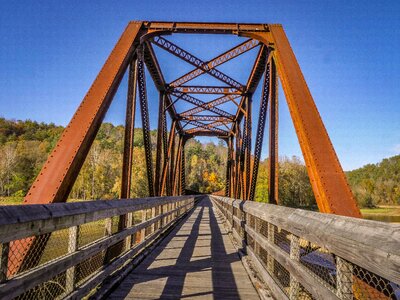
(371, 245)
(19, 221)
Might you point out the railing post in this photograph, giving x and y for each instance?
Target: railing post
(143, 231)
(129, 223)
(161, 213)
(294, 255)
(73, 240)
(153, 214)
(271, 239)
(256, 229)
(5, 249)
(344, 279)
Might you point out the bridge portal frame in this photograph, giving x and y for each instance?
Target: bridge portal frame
(134, 50)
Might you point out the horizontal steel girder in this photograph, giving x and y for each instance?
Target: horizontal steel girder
(205, 90)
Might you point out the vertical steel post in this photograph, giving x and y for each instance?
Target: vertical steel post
(161, 113)
(228, 169)
(260, 131)
(273, 137)
(165, 174)
(177, 165)
(144, 110)
(248, 147)
(182, 169)
(129, 132)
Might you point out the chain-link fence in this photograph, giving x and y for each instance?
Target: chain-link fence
(308, 255)
(51, 251)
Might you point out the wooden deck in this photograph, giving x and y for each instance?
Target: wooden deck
(196, 261)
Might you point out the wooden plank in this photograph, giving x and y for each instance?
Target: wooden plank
(19, 221)
(369, 244)
(197, 259)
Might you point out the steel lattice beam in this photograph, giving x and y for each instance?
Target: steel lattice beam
(210, 106)
(205, 90)
(203, 105)
(206, 118)
(219, 60)
(193, 60)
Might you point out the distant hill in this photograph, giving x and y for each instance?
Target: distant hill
(379, 183)
(25, 145)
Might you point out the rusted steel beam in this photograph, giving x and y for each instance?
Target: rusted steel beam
(144, 110)
(207, 127)
(205, 118)
(260, 131)
(205, 90)
(205, 28)
(228, 169)
(193, 60)
(129, 132)
(172, 155)
(328, 180)
(254, 78)
(182, 168)
(219, 60)
(177, 165)
(273, 137)
(203, 132)
(59, 173)
(155, 72)
(167, 160)
(210, 105)
(161, 113)
(248, 146)
(203, 105)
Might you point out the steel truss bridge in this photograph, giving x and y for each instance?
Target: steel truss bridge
(173, 245)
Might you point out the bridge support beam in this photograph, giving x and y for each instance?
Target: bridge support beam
(328, 180)
(273, 136)
(144, 109)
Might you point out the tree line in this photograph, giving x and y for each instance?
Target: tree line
(25, 145)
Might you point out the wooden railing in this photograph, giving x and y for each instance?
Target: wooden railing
(83, 243)
(304, 255)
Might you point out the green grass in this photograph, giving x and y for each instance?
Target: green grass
(394, 210)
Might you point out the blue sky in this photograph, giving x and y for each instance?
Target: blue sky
(51, 51)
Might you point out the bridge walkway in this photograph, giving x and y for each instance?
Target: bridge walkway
(197, 260)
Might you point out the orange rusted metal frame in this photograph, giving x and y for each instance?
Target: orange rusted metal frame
(61, 168)
(58, 174)
(328, 180)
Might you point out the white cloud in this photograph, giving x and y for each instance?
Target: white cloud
(396, 149)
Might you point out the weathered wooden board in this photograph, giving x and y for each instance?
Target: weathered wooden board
(197, 260)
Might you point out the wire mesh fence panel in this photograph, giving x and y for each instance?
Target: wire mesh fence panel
(319, 262)
(90, 232)
(88, 267)
(367, 285)
(48, 266)
(56, 246)
(282, 239)
(317, 272)
(49, 290)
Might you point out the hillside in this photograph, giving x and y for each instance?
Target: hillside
(377, 184)
(25, 145)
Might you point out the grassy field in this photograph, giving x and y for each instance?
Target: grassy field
(382, 210)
